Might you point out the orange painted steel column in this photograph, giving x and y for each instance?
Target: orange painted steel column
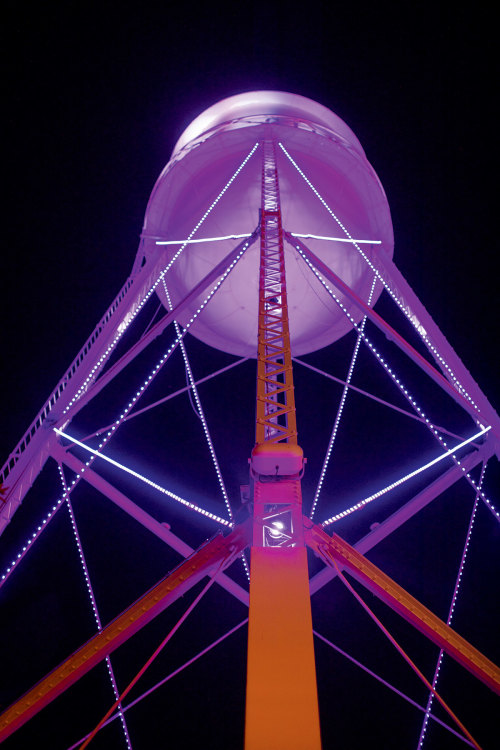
(282, 704)
(282, 701)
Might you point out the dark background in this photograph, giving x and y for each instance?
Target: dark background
(96, 97)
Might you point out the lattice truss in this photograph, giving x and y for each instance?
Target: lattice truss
(139, 454)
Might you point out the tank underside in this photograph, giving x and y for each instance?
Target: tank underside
(339, 172)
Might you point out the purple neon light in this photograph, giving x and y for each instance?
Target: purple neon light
(399, 384)
(420, 330)
(199, 239)
(341, 406)
(451, 611)
(93, 602)
(335, 239)
(242, 236)
(410, 475)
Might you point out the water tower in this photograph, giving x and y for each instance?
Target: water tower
(268, 239)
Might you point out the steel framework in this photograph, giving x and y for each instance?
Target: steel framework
(281, 671)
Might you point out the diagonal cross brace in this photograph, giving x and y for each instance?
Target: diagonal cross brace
(147, 607)
(477, 413)
(380, 584)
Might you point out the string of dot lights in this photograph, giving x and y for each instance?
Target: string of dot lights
(401, 387)
(408, 314)
(93, 602)
(245, 565)
(39, 529)
(451, 610)
(142, 478)
(199, 407)
(128, 320)
(340, 409)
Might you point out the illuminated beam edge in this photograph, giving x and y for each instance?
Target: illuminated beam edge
(142, 478)
(242, 236)
(405, 478)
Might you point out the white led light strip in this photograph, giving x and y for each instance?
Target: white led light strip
(341, 406)
(93, 602)
(133, 315)
(336, 239)
(200, 410)
(399, 383)
(142, 478)
(203, 239)
(242, 236)
(375, 270)
(400, 481)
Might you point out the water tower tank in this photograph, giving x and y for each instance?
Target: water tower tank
(329, 155)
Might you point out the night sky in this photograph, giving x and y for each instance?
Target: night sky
(97, 96)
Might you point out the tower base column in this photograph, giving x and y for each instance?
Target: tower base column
(282, 702)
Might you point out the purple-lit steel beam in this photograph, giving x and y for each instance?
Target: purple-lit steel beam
(147, 607)
(393, 522)
(29, 456)
(413, 506)
(335, 548)
(434, 339)
(27, 465)
(158, 529)
(160, 326)
(487, 416)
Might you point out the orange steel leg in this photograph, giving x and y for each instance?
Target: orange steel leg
(282, 704)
